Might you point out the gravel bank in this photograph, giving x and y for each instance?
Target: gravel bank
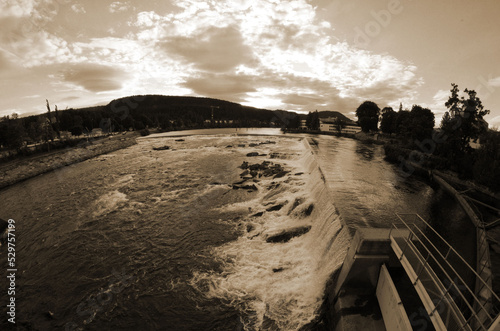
(19, 170)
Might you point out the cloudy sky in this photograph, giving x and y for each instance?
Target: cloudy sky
(298, 55)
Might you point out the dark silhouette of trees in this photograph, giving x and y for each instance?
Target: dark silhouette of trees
(312, 120)
(13, 135)
(388, 121)
(339, 124)
(486, 169)
(403, 120)
(368, 115)
(421, 123)
(464, 121)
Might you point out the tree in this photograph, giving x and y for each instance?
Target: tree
(56, 124)
(486, 169)
(35, 131)
(339, 124)
(312, 121)
(77, 130)
(388, 121)
(368, 116)
(315, 121)
(464, 121)
(16, 134)
(309, 120)
(421, 123)
(402, 124)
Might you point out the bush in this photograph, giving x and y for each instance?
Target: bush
(144, 132)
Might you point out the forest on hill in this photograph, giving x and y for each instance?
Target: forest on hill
(140, 112)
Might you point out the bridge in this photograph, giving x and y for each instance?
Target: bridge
(416, 277)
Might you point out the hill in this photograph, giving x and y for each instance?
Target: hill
(178, 111)
(331, 114)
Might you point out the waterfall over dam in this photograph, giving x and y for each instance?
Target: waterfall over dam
(197, 242)
(280, 286)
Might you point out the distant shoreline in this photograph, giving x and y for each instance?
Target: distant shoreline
(21, 169)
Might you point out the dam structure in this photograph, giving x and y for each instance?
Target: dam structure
(308, 245)
(415, 279)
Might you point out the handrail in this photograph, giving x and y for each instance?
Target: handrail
(425, 265)
(450, 247)
(448, 277)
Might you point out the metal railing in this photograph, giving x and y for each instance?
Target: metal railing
(460, 307)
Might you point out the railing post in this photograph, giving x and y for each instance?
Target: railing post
(407, 240)
(440, 299)
(423, 267)
(447, 253)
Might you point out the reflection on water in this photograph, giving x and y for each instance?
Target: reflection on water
(164, 217)
(221, 131)
(365, 151)
(367, 190)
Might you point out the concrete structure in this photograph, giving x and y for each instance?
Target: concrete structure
(351, 129)
(328, 125)
(395, 268)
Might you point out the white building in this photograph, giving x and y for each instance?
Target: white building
(351, 129)
(328, 125)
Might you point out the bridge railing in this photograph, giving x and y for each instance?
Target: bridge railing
(435, 263)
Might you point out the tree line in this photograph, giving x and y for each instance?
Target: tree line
(143, 112)
(454, 143)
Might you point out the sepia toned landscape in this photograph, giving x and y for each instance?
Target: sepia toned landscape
(249, 165)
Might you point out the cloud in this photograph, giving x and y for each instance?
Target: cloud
(305, 99)
(78, 8)
(95, 77)
(224, 86)
(4, 63)
(289, 53)
(119, 6)
(16, 8)
(494, 122)
(494, 82)
(214, 49)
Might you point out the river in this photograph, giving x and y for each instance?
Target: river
(159, 239)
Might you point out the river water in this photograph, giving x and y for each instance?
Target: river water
(144, 239)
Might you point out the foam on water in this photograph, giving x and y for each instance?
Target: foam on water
(280, 286)
(109, 202)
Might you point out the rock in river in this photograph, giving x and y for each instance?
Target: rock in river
(284, 236)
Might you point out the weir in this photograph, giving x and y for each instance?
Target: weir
(407, 277)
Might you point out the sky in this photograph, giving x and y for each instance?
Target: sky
(298, 55)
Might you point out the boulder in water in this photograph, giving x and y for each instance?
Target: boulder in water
(253, 154)
(276, 207)
(280, 174)
(245, 187)
(163, 148)
(309, 209)
(284, 236)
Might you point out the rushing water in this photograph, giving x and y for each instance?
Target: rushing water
(158, 239)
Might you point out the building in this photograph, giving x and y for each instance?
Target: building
(303, 125)
(328, 125)
(351, 129)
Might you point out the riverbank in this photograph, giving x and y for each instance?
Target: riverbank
(21, 169)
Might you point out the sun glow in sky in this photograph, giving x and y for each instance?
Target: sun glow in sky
(298, 55)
